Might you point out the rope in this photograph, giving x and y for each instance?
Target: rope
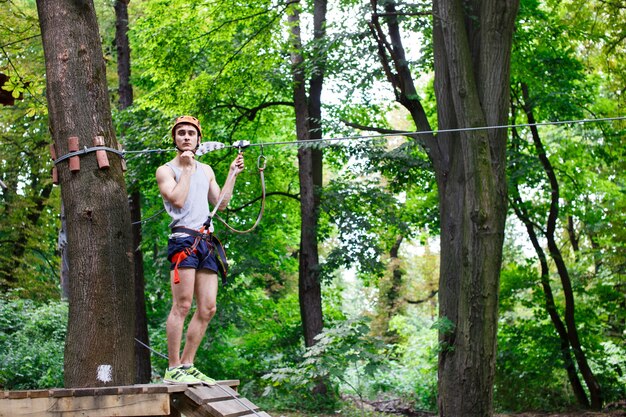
(238, 145)
(148, 219)
(150, 349)
(261, 169)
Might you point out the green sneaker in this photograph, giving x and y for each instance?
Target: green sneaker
(178, 375)
(195, 373)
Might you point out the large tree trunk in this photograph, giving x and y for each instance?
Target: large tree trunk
(472, 46)
(472, 43)
(99, 347)
(142, 355)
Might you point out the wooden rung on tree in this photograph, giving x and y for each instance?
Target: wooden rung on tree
(73, 147)
(101, 155)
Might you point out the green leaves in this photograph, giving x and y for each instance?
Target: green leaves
(344, 355)
(32, 339)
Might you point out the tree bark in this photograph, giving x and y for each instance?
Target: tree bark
(309, 284)
(123, 54)
(143, 371)
(99, 348)
(472, 46)
(472, 42)
(315, 96)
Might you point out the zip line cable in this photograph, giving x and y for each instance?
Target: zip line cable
(304, 143)
(238, 145)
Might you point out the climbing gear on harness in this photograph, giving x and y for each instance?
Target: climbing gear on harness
(205, 231)
(214, 244)
(260, 163)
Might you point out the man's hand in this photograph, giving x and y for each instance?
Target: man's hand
(187, 159)
(238, 165)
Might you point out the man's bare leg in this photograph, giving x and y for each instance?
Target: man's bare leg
(182, 297)
(205, 290)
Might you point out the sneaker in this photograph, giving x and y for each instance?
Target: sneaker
(195, 373)
(179, 376)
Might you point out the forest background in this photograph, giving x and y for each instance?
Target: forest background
(229, 64)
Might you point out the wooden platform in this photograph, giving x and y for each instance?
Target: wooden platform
(221, 400)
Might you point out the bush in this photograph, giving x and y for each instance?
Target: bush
(32, 340)
(345, 357)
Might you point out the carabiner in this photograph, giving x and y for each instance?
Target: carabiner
(258, 162)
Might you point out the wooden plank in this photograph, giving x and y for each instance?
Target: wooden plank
(43, 393)
(233, 383)
(231, 408)
(94, 406)
(159, 388)
(257, 414)
(202, 394)
(187, 407)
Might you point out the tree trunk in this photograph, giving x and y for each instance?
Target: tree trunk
(143, 369)
(593, 386)
(566, 352)
(99, 348)
(315, 96)
(472, 43)
(390, 295)
(123, 54)
(309, 284)
(472, 46)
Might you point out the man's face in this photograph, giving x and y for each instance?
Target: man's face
(186, 136)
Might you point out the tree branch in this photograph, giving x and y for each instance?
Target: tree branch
(423, 300)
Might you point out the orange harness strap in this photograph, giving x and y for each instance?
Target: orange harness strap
(178, 258)
(216, 245)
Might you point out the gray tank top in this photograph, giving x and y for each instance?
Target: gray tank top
(196, 209)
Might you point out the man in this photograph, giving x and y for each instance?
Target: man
(187, 186)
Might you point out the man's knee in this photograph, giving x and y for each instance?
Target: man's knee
(181, 307)
(207, 312)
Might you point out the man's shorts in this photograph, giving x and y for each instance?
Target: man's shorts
(202, 258)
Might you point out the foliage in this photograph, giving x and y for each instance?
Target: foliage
(344, 356)
(228, 64)
(412, 374)
(32, 338)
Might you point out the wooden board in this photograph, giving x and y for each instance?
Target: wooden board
(129, 405)
(235, 407)
(203, 394)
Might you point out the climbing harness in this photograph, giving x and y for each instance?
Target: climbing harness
(213, 243)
